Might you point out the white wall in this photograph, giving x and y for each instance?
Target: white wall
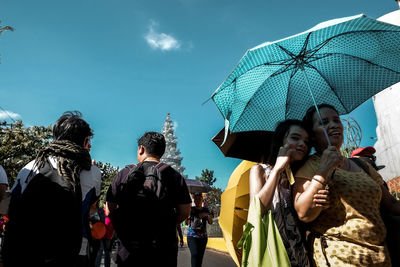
(387, 108)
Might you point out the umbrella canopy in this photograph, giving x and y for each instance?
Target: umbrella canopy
(234, 207)
(342, 62)
(252, 145)
(196, 186)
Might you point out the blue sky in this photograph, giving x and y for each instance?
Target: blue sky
(125, 64)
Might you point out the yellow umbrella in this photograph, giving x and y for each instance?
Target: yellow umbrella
(234, 207)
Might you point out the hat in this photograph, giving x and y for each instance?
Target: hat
(369, 150)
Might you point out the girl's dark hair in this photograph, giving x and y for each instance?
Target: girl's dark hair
(281, 130)
(308, 118)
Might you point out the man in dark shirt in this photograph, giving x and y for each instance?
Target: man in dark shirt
(149, 236)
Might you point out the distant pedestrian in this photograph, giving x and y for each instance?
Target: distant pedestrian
(366, 154)
(45, 227)
(146, 202)
(107, 241)
(197, 234)
(91, 186)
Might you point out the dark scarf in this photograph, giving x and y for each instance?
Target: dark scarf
(72, 159)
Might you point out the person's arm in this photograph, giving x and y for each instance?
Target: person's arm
(210, 219)
(308, 195)
(264, 187)
(3, 189)
(389, 202)
(182, 212)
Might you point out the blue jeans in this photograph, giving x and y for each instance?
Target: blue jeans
(197, 247)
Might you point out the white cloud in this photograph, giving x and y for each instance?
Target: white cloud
(175, 125)
(162, 41)
(5, 114)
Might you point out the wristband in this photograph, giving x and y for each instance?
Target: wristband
(323, 183)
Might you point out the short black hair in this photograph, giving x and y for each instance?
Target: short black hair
(281, 130)
(308, 118)
(154, 143)
(70, 126)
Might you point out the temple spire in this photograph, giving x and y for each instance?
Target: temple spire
(171, 155)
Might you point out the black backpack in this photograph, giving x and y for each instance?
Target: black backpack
(45, 227)
(142, 201)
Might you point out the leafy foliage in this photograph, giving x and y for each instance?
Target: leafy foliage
(346, 150)
(19, 145)
(214, 200)
(207, 176)
(108, 172)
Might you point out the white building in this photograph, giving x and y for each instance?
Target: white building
(387, 108)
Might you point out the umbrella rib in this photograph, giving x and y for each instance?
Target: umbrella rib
(362, 59)
(330, 86)
(321, 45)
(287, 94)
(305, 44)
(287, 51)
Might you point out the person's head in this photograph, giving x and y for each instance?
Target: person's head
(70, 126)
(366, 154)
(151, 144)
(198, 199)
(290, 132)
(331, 121)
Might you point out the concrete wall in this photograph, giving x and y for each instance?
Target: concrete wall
(387, 108)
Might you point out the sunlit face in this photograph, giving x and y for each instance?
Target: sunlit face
(298, 137)
(334, 128)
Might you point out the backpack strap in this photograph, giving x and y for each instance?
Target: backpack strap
(161, 166)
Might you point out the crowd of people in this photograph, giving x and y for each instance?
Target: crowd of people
(54, 213)
(327, 208)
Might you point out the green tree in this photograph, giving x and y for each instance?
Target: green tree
(108, 173)
(19, 145)
(214, 199)
(346, 150)
(207, 176)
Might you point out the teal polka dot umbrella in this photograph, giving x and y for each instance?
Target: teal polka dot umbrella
(341, 62)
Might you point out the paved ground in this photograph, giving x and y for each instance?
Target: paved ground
(212, 258)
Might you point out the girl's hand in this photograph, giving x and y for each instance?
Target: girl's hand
(284, 156)
(321, 198)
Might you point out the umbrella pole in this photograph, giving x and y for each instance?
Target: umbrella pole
(315, 104)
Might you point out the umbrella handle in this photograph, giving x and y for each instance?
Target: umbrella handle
(315, 104)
